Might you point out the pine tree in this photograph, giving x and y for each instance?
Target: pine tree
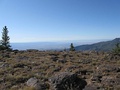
(5, 39)
(72, 47)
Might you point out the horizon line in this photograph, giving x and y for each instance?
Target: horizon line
(56, 41)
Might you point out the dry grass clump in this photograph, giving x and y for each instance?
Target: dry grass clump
(29, 88)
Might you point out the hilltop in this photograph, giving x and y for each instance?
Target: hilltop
(27, 70)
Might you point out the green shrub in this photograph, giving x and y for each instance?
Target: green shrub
(116, 50)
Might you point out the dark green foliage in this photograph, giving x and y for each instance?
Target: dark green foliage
(72, 47)
(116, 50)
(5, 44)
(2, 48)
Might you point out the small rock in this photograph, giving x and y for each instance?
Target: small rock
(57, 69)
(96, 78)
(54, 58)
(86, 61)
(61, 61)
(4, 65)
(33, 82)
(90, 88)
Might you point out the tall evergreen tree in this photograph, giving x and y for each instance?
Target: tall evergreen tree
(72, 47)
(5, 38)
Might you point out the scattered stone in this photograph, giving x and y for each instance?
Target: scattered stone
(66, 81)
(61, 61)
(118, 75)
(34, 82)
(84, 72)
(69, 69)
(96, 78)
(111, 68)
(19, 65)
(4, 65)
(86, 61)
(110, 80)
(1, 61)
(54, 58)
(21, 58)
(57, 69)
(90, 88)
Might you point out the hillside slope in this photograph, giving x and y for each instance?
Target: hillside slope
(101, 46)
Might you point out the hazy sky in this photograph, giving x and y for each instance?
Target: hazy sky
(57, 20)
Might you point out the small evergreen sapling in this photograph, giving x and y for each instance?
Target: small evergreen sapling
(72, 48)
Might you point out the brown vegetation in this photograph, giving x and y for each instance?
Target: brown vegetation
(98, 69)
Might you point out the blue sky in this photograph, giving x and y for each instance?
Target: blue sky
(60, 20)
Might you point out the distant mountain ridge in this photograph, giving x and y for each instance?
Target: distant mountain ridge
(100, 46)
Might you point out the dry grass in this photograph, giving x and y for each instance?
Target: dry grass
(20, 66)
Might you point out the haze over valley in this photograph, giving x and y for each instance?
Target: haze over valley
(56, 45)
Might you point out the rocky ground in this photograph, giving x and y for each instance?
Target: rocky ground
(53, 70)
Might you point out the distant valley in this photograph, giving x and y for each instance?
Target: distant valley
(56, 45)
(40, 45)
(80, 45)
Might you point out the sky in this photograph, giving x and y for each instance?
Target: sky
(60, 20)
